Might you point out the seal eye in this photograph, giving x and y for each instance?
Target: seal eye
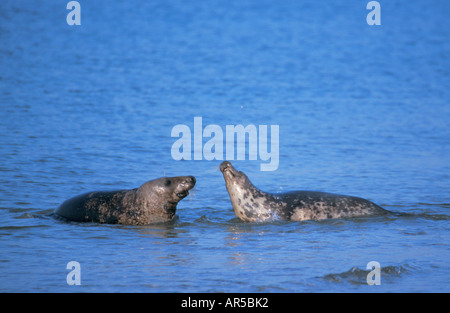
(167, 182)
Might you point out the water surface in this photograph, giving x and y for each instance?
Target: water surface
(362, 110)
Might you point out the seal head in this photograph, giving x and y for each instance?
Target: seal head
(161, 196)
(249, 203)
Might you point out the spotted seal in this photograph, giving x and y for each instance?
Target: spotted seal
(153, 202)
(253, 205)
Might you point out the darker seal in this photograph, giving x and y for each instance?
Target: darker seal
(153, 202)
(253, 205)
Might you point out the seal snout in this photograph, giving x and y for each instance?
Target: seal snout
(225, 165)
(187, 184)
(190, 180)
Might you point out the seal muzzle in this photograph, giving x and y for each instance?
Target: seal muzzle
(186, 185)
(225, 165)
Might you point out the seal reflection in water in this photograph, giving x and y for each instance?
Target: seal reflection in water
(153, 202)
(253, 205)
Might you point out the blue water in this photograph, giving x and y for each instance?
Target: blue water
(362, 110)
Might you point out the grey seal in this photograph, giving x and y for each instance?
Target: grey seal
(153, 202)
(253, 205)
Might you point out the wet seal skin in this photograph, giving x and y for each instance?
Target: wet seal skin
(253, 205)
(153, 202)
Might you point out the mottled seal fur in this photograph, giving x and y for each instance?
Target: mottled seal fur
(253, 205)
(153, 202)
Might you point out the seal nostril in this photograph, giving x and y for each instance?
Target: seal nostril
(193, 180)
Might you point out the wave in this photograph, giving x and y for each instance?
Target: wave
(424, 215)
(357, 276)
(15, 227)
